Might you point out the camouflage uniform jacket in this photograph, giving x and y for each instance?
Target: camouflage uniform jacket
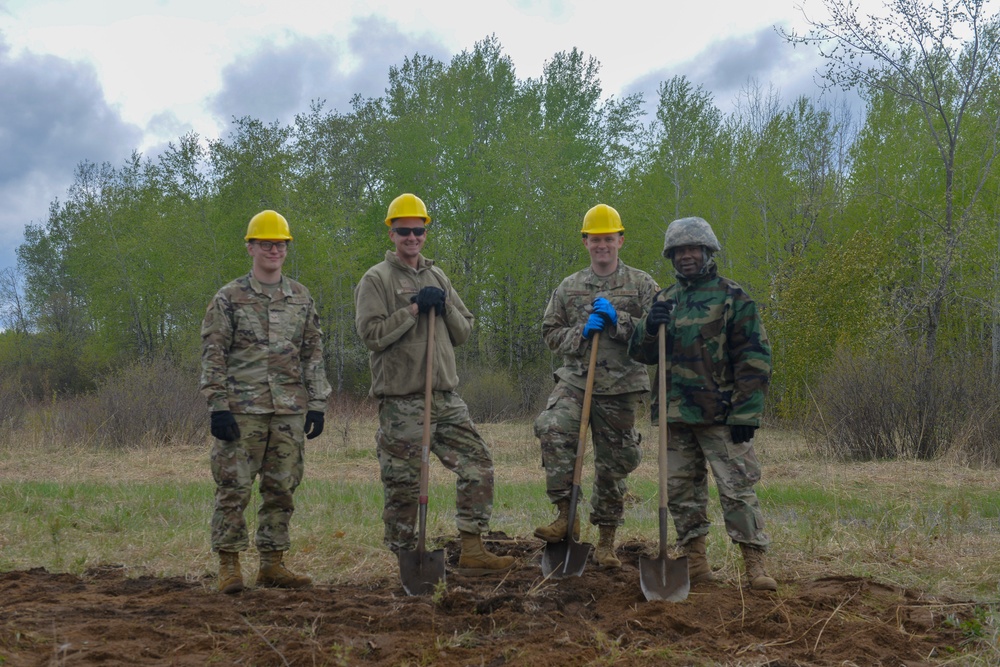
(720, 358)
(263, 354)
(397, 339)
(631, 292)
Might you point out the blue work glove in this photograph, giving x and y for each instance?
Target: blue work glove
(594, 324)
(741, 433)
(224, 426)
(604, 308)
(314, 424)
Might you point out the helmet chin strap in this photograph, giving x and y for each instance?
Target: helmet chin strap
(709, 261)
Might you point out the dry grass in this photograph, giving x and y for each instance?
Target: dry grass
(930, 526)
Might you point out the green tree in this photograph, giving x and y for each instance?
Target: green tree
(831, 302)
(933, 61)
(676, 172)
(336, 171)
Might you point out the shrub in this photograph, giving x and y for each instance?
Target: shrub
(496, 395)
(899, 403)
(13, 406)
(977, 439)
(345, 412)
(833, 300)
(139, 405)
(535, 384)
(491, 395)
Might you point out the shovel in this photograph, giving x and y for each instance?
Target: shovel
(421, 570)
(568, 557)
(662, 578)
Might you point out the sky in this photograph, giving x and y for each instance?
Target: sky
(95, 80)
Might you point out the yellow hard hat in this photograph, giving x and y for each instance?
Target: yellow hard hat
(602, 219)
(407, 206)
(268, 225)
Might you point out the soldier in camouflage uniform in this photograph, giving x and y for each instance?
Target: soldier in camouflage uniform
(392, 302)
(607, 297)
(719, 369)
(263, 376)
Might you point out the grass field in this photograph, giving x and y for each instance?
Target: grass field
(932, 526)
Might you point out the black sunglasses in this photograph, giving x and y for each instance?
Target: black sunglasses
(406, 231)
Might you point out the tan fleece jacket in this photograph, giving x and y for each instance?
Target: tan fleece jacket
(397, 339)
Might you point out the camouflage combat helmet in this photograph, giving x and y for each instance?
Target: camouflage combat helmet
(690, 231)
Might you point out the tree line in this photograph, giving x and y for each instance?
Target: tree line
(860, 232)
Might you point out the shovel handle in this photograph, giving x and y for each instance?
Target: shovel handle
(661, 389)
(581, 443)
(588, 396)
(661, 458)
(425, 445)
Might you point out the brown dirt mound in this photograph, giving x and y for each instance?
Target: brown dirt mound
(106, 618)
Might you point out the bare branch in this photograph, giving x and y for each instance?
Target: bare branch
(934, 55)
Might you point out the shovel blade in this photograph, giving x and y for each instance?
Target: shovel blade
(664, 579)
(567, 558)
(420, 571)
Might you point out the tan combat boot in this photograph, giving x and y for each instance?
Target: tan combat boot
(556, 531)
(230, 577)
(753, 560)
(604, 555)
(475, 560)
(699, 571)
(274, 574)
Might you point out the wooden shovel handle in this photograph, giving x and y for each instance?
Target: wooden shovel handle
(661, 388)
(425, 448)
(588, 395)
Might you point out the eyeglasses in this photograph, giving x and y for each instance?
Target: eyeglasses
(406, 231)
(280, 246)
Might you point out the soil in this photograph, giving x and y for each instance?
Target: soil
(600, 618)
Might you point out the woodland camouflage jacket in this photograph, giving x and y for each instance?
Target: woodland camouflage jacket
(397, 339)
(263, 354)
(719, 355)
(631, 292)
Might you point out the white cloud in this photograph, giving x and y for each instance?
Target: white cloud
(152, 55)
(175, 66)
(53, 116)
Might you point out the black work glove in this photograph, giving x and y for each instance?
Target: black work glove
(429, 297)
(224, 426)
(659, 314)
(314, 424)
(741, 433)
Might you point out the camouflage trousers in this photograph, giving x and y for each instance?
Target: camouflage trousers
(454, 441)
(270, 446)
(617, 450)
(735, 469)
